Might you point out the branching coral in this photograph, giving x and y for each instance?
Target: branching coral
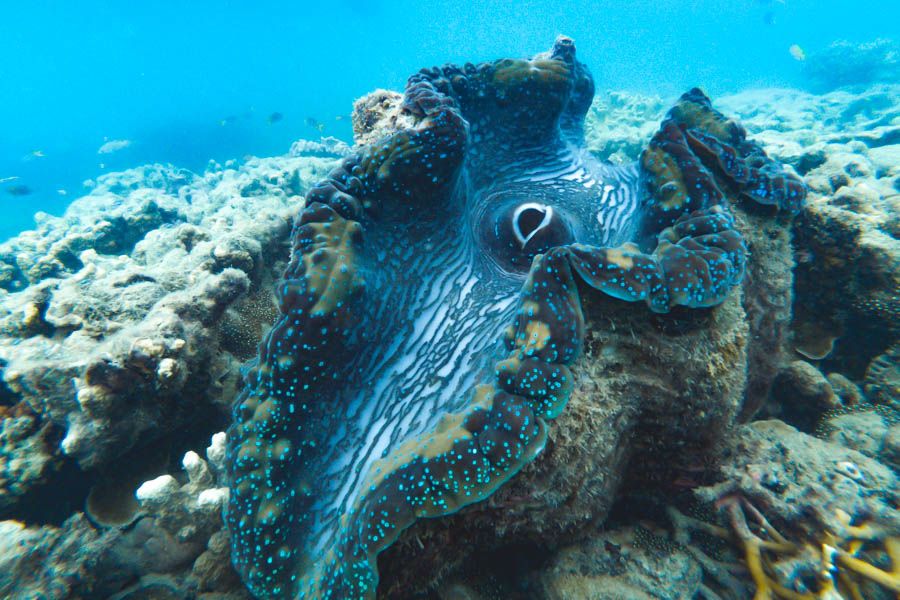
(840, 561)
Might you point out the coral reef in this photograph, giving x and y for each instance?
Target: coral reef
(845, 63)
(846, 147)
(98, 393)
(122, 323)
(848, 284)
(810, 518)
(172, 547)
(847, 295)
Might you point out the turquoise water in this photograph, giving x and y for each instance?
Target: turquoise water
(189, 82)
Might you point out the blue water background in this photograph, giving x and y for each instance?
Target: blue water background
(166, 75)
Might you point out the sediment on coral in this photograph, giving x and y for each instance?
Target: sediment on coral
(124, 322)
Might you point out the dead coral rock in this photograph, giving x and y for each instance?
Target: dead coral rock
(377, 115)
(849, 283)
(805, 484)
(212, 570)
(28, 454)
(803, 395)
(849, 392)
(882, 382)
(189, 516)
(113, 317)
(891, 452)
(23, 552)
(76, 560)
(70, 561)
(816, 514)
(613, 565)
(619, 125)
(864, 431)
(145, 370)
(175, 546)
(99, 223)
(846, 238)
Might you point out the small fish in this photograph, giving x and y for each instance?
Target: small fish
(113, 146)
(315, 124)
(229, 120)
(8, 179)
(797, 52)
(102, 165)
(340, 118)
(62, 192)
(274, 117)
(18, 190)
(311, 121)
(35, 154)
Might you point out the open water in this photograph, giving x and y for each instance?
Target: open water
(187, 82)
